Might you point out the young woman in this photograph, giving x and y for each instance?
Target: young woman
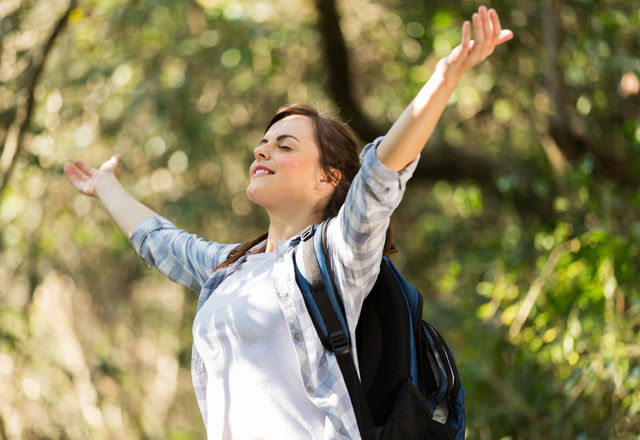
(259, 369)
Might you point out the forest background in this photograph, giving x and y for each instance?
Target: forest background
(521, 226)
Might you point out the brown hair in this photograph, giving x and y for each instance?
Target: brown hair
(337, 151)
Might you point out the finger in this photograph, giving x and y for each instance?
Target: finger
(116, 158)
(112, 163)
(486, 23)
(84, 167)
(72, 172)
(75, 177)
(78, 179)
(495, 21)
(505, 35)
(466, 36)
(478, 31)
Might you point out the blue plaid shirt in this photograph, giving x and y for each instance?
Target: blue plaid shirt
(355, 239)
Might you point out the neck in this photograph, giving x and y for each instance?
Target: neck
(282, 228)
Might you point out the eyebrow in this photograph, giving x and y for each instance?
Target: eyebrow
(282, 136)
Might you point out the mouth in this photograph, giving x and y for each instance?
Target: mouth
(261, 170)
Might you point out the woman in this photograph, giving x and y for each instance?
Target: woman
(258, 367)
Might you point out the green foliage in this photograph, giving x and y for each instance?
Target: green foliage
(542, 309)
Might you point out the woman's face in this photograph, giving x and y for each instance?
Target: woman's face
(286, 173)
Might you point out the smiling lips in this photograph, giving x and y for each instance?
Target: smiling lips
(261, 170)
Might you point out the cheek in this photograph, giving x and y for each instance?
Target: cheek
(297, 167)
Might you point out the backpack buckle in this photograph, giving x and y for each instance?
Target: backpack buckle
(307, 233)
(339, 343)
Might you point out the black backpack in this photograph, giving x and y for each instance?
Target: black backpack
(409, 387)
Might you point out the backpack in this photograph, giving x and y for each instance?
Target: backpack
(409, 386)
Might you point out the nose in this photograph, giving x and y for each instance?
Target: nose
(261, 152)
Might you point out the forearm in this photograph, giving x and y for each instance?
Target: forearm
(126, 211)
(409, 134)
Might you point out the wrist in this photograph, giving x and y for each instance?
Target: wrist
(105, 183)
(446, 74)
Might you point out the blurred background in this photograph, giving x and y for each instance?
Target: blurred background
(521, 227)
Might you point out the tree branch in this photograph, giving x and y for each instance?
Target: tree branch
(15, 135)
(443, 162)
(554, 83)
(529, 301)
(572, 144)
(340, 86)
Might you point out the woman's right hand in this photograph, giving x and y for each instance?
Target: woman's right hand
(488, 34)
(86, 179)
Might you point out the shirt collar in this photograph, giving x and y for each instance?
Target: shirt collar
(281, 247)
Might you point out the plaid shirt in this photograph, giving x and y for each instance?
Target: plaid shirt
(355, 239)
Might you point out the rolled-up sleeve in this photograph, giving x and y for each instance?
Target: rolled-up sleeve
(356, 236)
(184, 258)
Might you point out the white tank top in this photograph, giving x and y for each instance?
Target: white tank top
(254, 384)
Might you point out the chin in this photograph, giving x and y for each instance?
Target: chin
(251, 195)
(270, 201)
(255, 196)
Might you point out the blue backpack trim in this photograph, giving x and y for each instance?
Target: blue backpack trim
(329, 283)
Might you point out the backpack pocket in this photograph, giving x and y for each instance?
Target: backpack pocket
(431, 373)
(411, 419)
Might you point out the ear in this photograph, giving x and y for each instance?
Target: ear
(331, 178)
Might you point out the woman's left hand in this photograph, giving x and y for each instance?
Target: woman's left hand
(488, 34)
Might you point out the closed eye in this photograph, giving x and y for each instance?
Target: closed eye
(284, 147)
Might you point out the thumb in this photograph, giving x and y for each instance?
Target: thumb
(115, 159)
(505, 35)
(112, 163)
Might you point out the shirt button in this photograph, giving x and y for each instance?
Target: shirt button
(298, 336)
(310, 388)
(343, 431)
(283, 294)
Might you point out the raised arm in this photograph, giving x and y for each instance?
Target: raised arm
(412, 129)
(102, 183)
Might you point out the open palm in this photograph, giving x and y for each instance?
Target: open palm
(85, 178)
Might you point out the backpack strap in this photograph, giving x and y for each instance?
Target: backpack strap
(327, 313)
(324, 306)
